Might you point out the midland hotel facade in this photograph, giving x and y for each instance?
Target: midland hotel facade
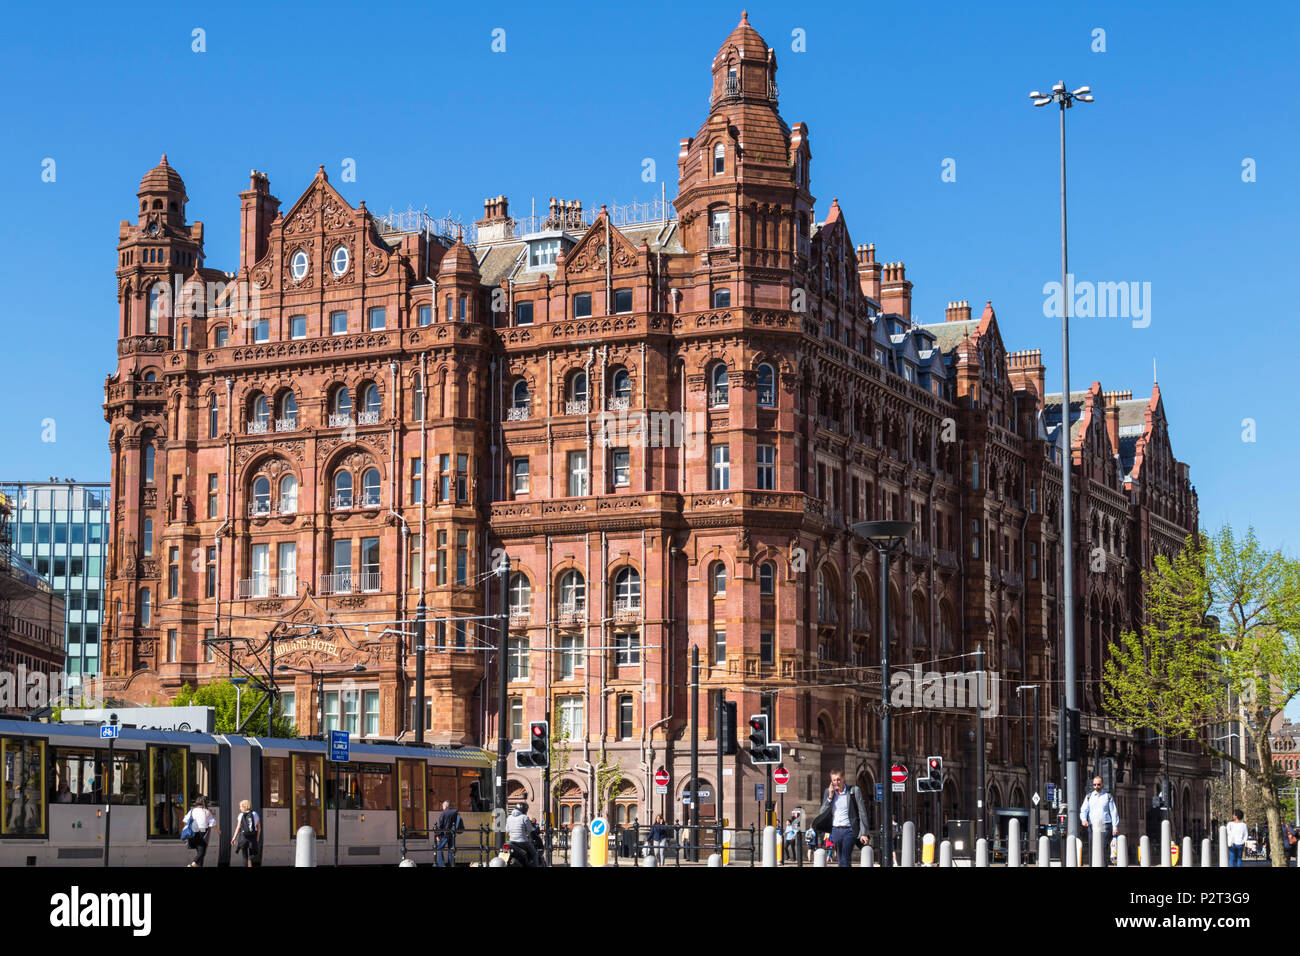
(666, 425)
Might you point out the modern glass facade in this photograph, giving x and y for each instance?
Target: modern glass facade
(62, 530)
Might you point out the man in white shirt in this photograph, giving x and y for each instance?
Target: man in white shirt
(848, 819)
(1237, 834)
(1099, 815)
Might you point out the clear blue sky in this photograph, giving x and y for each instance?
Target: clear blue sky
(431, 115)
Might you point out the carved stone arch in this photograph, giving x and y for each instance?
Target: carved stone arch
(625, 562)
(713, 354)
(269, 462)
(354, 456)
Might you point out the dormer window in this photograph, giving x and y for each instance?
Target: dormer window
(719, 159)
(542, 253)
(622, 301)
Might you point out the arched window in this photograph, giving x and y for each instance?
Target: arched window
(370, 403)
(148, 537)
(148, 463)
(220, 336)
(719, 159)
(158, 305)
(573, 591)
(718, 579)
(520, 399)
(370, 487)
(766, 386)
(259, 413)
(261, 495)
(213, 422)
(287, 413)
(521, 593)
(340, 406)
(718, 390)
(627, 590)
(825, 598)
(342, 489)
(146, 614)
(288, 495)
(767, 579)
(620, 385)
(578, 392)
(151, 376)
(722, 298)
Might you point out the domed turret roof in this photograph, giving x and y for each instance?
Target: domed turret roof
(459, 260)
(745, 39)
(162, 178)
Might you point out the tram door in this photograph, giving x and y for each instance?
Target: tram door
(308, 789)
(411, 790)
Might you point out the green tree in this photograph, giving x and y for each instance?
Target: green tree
(221, 696)
(1218, 654)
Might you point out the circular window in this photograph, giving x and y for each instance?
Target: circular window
(298, 265)
(339, 259)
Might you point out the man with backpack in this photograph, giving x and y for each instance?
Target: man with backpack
(449, 824)
(247, 840)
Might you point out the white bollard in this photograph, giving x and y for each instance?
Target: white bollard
(945, 853)
(769, 846)
(1071, 851)
(1206, 859)
(819, 858)
(866, 857)
(1098, 854)
(715, 859)
(1166, 839)
(1144, 850)
(1223, 846)
(1186, 858)
(305, 850)
(407, 863)
(650, 859)
(982, 852)
(1013, 842)
(578, 846)
(1044, 852)
(496, 861)
(907, 854)
(1121, 850)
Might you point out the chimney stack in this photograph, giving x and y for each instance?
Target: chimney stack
(257, 210)
(895, 290)
(869, 271)
(958, 311)
(1027, 372)
(496, 223)
(1112, 418)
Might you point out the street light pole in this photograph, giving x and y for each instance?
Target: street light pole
(503, 730)
(1065, 99)
(1033, 809)
(885, 536)
(419, 672)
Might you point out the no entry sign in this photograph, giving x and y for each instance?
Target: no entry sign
(898, 773)
(661, 777)
(781, 776)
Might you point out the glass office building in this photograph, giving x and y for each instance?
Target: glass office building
(61, 529)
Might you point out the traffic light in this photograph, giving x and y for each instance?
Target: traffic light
(933, 781)
(728, 735)
(761, 750)
(538, 754)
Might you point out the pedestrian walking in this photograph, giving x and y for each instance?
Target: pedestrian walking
(658, 839)
(845, 815)
(247, 840)
(199, 821)
(790, 835)
(448, 825)
(810, 841)
(1289, 844)
(1237, 833)
(1099, 811)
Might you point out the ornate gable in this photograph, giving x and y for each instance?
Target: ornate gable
(588, 256)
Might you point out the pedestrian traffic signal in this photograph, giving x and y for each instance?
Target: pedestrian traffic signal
(761, 750)
(538, 755)
(728, 727)
(932, 782)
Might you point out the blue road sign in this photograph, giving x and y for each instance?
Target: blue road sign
(339, 745)
(880, 793)
(758, 791)
(1051, 793)
(598, 826)
(107, 731)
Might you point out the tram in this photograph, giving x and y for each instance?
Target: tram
(60, 779)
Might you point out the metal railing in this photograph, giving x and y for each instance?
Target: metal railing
(341, 503)
(288, 424)
(258, 427)
(719, 397)
(259, 508)
(517, 414)
(803, 246)
(449, 228)
(618, 404)
(571, 613)
(627, 609)
(340, 420)
(369, 580)
(719, 237)
(520, 615)
(368, 418)
(576, 408)
(339, 582)
(258, 586)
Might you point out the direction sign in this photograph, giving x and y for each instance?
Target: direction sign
(599, 848)
(339, 745)
(880, 792)
(900, 788)
(1034, 798)
(781, 776)
(108, 731)
(599, 826)
(1051, 793)
(758, 792)
(898, 773)
(661, 777)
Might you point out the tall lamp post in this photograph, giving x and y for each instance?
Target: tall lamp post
(1066, 99)
(1033, 810)
(886, 537)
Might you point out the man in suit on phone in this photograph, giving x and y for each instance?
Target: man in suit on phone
(848, 819)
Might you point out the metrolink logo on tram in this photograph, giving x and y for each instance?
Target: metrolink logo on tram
(956, 690)
(30, 691)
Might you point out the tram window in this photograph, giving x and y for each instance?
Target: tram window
(168, 790)
(308, 771)
(203, 778)
(377, 790)
(275, 776)
(411, 790)
(73, 777)
(127, 788)
(475, 791)
(442, 786)
(344, 779)
(22, 801)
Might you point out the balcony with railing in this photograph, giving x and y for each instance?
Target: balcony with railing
(827, 613)
(287, 506)
(287, 424)
(340, 582)
(341, 503)
(368, 418)
(370, 581)
(258, 586)
(618, 404)
(803, 246)
(1014, 579)
(573, 612)
(576, 408)
(920, 550)
(945, 558)
(517, 414)
(627, 609)
(258, 427)
(861, 618)
(259, 508)
(719, 237)
(340, 420)
(719, 398)
(521, 615)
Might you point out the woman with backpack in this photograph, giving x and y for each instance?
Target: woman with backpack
(247, 840)
(197, 823)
